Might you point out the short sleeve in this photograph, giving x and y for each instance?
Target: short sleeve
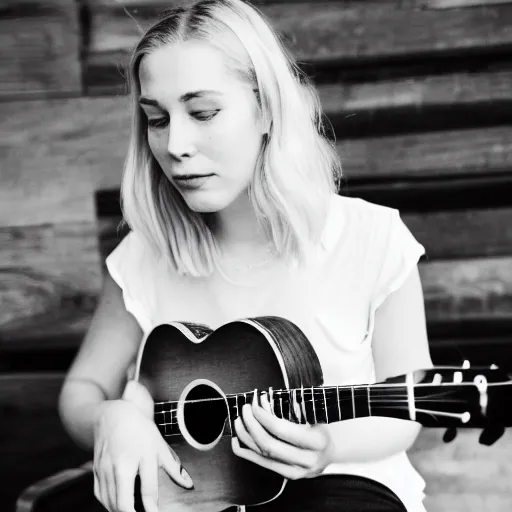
(126, 264)
(400, 255)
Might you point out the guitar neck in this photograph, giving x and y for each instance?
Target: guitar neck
(434, 398)
(433, 403)
(312, 405)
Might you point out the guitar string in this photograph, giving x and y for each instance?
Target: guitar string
(431, 413)
(173, 412)
(375, 399)
(340, 388)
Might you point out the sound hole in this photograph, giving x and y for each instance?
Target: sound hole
(205, 412)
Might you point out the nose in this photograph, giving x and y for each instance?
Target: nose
(181, 139)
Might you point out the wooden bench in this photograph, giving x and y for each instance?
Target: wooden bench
(419, 95)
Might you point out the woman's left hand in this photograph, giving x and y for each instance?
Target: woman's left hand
(292, 450)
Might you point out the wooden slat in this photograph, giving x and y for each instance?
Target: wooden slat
(464, 476)
(457, 4)
(417, 92)
(49, 175)
(340, 31)
(418, 103)
(40, 43)
(458, 152)
(51, 276)
(476, 288)
(463, 234)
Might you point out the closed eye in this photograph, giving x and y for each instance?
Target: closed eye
(158, 122)
(201, 115)
(205, 115)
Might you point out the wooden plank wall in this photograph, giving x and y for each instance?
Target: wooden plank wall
(419, 95)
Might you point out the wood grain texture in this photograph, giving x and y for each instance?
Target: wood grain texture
(417, 92)
(416, 103)
(458, 152)
(336, 31)
(49, 175)
(457, 4)
(40, 43)
(474, 288)
(50, 279)
(464, 476)
(463, 234)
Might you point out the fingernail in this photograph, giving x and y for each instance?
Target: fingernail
(186, 477)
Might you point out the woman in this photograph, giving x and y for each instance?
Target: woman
(229, 189)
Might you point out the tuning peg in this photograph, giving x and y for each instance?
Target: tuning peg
(450, 435)
(491, 434)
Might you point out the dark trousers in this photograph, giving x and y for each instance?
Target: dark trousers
(333, 493)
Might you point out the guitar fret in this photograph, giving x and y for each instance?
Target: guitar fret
(325, 407)
(353, 403)
(313, 402)
(339, 404)
(296, 408)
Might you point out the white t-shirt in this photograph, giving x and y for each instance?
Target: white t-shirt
(366, 253)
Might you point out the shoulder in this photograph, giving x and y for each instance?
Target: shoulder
(360, 208)
(133, 265)
(353, 218)
(133, 247)
(132, 260)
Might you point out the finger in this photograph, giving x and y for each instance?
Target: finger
(149, 484)
(274, 448)
(303, 436)
(244, 436)
(285, 470)
(172, 466)
(124, 479)
(107, 494)
(97, 491)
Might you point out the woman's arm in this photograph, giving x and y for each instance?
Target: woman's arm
(98, 372)
(400, 345)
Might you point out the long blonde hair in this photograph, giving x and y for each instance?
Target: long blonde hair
(297, 169)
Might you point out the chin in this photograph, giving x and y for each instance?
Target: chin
(205, 204)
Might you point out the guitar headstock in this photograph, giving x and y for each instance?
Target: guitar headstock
(465, 374)
(465, 396)
(488, 397)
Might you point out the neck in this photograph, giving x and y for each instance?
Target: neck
(237, 230)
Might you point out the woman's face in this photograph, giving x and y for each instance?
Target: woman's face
(203, 123)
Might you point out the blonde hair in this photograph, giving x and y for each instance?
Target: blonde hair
(297, 169)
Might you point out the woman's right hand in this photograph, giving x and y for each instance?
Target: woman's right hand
(127, 442)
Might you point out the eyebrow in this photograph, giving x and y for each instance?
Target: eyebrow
(183, 98)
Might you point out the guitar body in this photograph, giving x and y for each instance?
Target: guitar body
(181, 362)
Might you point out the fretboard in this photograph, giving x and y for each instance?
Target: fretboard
(308, 405)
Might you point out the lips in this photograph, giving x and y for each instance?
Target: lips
(187, 177)
(191, 181)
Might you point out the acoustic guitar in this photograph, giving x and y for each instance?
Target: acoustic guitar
(200, 379)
